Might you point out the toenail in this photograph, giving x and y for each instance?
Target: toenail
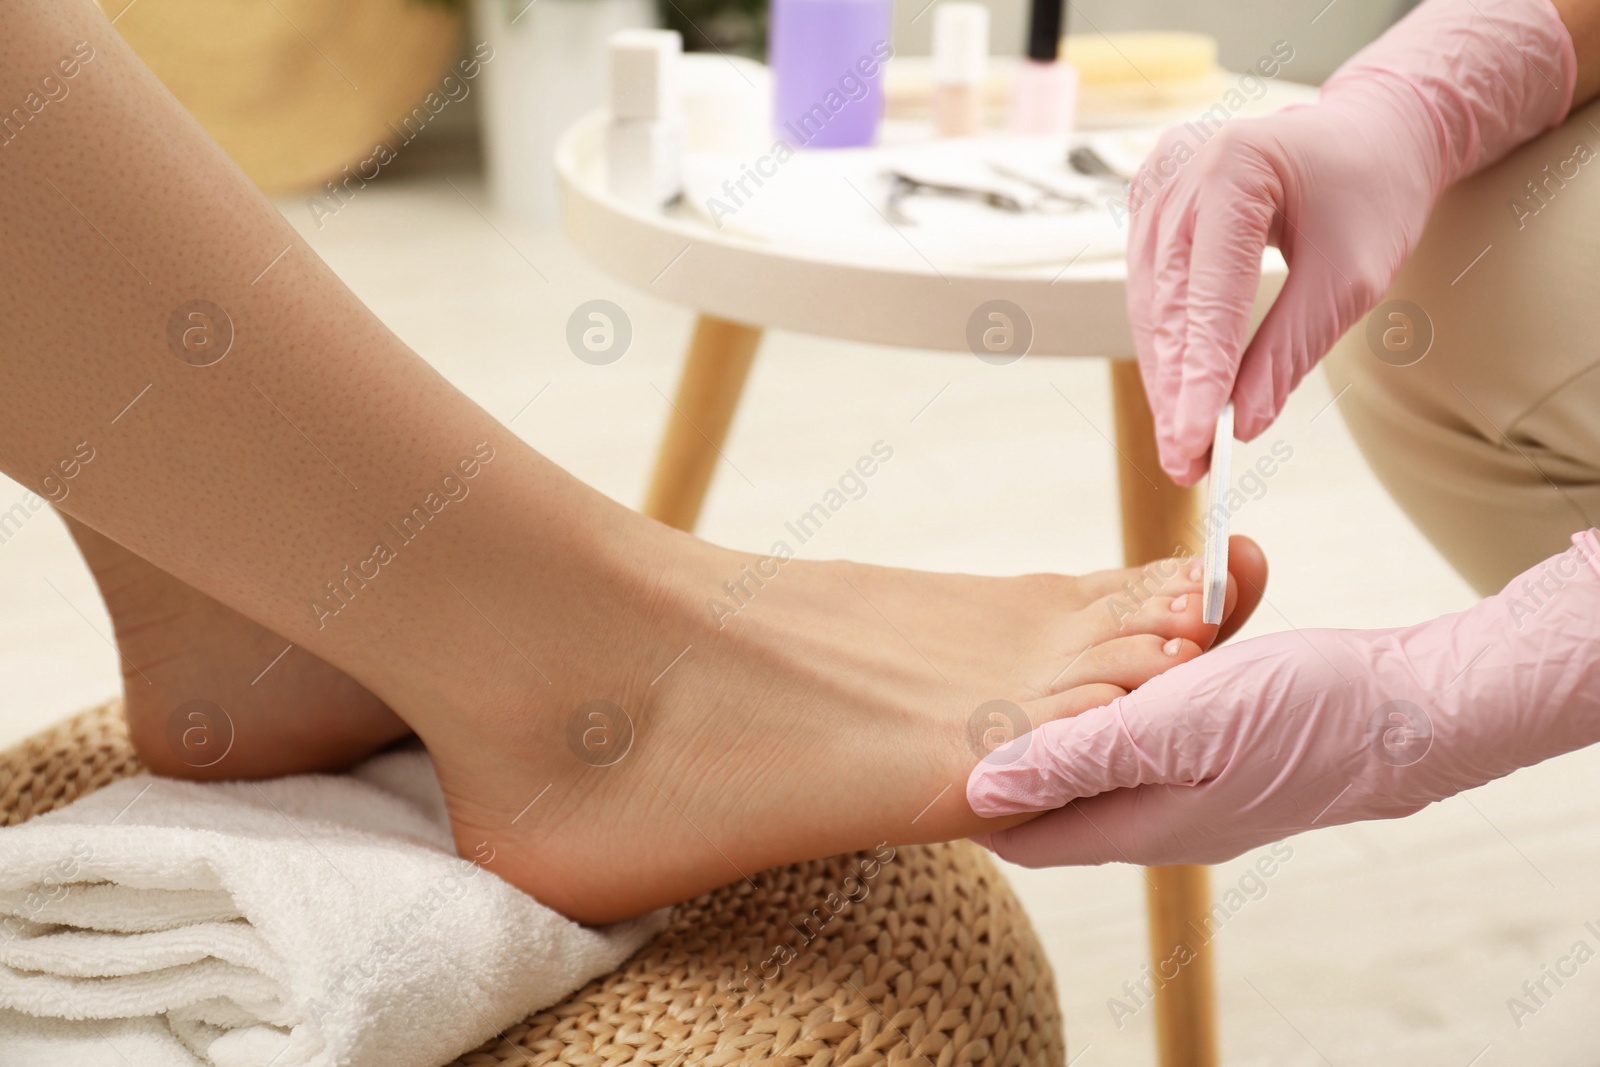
(1171, 647)
(1181, 602)
(1198, 571)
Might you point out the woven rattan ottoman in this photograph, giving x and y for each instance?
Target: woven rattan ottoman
(937, 967)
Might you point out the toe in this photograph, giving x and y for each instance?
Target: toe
(1107, 671)
(1143, 595)
(1171, 616)
(1174, 607)
(1162, 575)
(1247, 583)
(1070, 702)
(1125, 662)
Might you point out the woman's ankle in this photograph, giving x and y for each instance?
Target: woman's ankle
(586, 623)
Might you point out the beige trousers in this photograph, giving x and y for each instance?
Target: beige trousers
(1491, 440)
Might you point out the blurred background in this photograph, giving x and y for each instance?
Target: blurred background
(297, 90)
(1381, 944)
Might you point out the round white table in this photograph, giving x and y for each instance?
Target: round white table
(741, 286)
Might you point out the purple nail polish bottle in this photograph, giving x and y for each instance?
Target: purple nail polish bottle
(827, 61)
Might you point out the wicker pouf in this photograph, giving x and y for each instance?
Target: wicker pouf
(936, 965)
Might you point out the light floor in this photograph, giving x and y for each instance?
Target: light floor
(1380, 944)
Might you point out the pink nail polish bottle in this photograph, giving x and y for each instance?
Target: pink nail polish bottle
(1044, 88)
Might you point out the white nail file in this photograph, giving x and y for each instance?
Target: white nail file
(1215, 591)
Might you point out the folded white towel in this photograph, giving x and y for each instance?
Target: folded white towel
(301, 922)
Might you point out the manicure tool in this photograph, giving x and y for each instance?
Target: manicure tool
(1074, 201)
(1091, 164)
(1215, 590)
(903, 186)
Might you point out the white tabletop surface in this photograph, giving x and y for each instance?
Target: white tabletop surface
(675, 254)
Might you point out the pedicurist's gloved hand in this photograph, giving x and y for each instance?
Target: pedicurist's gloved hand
(1257, 741)
(1343, 186)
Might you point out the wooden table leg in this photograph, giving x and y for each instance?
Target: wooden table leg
(1159, 517)
(719, 361)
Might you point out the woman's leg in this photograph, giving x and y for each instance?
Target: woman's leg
(609, 733)
(1491, 442)
(205, 687)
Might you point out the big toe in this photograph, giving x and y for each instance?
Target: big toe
(1247, 584)
(1174, 606)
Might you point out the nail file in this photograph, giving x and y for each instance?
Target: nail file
(1215, 590)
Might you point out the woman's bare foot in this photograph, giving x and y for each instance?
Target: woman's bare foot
(841, 706)
(210, 694)
(740, 714)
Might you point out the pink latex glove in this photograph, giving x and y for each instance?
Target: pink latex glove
(1257, 741)
(1342, 187)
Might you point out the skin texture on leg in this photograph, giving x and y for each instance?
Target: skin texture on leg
(257, 435)
(265, 708)
(259, 478)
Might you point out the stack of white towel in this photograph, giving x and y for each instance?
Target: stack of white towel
(299, 922)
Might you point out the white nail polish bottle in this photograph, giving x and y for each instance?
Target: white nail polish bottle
(644, 141)
(960, 67)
